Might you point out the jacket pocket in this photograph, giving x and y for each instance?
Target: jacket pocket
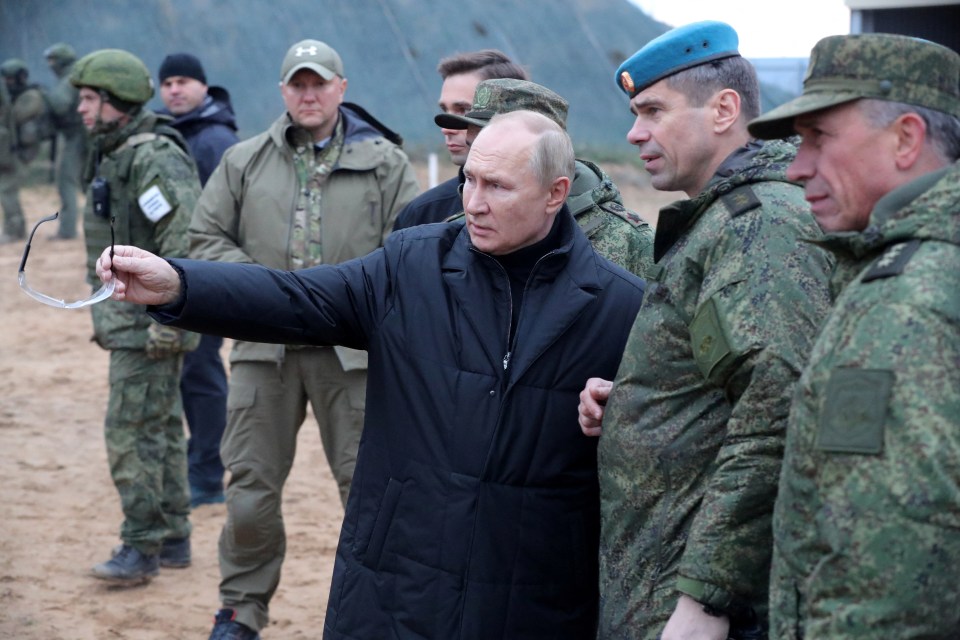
(381, 526)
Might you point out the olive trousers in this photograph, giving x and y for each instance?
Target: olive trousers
(266, 405)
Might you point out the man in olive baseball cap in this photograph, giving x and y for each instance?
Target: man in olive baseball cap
(862, 545)
(317, 56)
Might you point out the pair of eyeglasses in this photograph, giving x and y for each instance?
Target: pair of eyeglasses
(100, 294)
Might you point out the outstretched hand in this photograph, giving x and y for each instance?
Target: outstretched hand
(142, 277)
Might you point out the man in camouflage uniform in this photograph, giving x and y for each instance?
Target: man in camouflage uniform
(72, 139)
(867, 522)
(143, 187)
(21, 132)
(615, 232)
(321, 186)
(693, 428)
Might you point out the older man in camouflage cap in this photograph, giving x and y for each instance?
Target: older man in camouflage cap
(694, 426)
(617, 233)
(867, 521)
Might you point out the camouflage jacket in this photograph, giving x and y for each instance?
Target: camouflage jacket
(618, 234)
(153, 189)
(867, 523)
(24, 125)
(694, 427)
(63, 98)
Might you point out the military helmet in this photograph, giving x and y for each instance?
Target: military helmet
(61, 52)
(118, 72)
(12, 67)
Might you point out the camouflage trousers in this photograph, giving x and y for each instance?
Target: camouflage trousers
(146, 448)
(10, 180)
(73, 152)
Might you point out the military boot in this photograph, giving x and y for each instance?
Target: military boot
(175, 554)
(225, 627)
(128, 566)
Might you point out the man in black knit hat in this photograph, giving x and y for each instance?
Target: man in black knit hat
(204, 116)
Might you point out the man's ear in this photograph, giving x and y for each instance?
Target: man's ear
(559, 191)
(726, 109)
(911, 132)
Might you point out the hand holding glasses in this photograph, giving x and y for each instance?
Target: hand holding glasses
(101, 294)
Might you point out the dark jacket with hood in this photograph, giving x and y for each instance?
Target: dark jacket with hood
(474, 509)
(209, 130)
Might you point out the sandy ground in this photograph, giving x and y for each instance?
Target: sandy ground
(59, 511)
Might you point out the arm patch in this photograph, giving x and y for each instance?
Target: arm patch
(709, 339)
(854, 411)
(155, 202)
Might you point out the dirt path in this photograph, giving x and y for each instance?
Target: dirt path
(59, 511)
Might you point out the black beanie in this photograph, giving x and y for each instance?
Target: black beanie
(182, 64)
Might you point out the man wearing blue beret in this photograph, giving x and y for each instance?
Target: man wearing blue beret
(694, 422)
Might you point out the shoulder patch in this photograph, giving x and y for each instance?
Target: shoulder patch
(740, 200)
(893, 260)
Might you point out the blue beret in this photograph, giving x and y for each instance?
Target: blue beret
(676, 50)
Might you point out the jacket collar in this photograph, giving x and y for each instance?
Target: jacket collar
(561, 286)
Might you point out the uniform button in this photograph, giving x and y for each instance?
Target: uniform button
(493, 392)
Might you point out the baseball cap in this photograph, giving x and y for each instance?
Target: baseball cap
(317, 56)
(880, 66)
(502, 95)
(678, 49)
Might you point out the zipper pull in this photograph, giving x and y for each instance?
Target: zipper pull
(506, 360)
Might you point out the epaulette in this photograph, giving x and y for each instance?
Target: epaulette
(740, 200)
(892, 262)
(621, 211)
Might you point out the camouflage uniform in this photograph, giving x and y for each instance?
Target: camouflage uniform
(867, 519)
(20, 141)
(72, 141)
(694, 426)
(618, 234)
(146, 448)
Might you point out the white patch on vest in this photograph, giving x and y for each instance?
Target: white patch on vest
(153, 204)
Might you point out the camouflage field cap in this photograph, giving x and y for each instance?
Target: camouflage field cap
(678, 49)
(504, 95)
(317, 56)
(877, 65)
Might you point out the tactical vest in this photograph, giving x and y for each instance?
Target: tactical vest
(121, 325)
(130, 225)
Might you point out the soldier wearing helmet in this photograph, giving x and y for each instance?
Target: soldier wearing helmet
(143, 187)
(23, 126)
(70, 141)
